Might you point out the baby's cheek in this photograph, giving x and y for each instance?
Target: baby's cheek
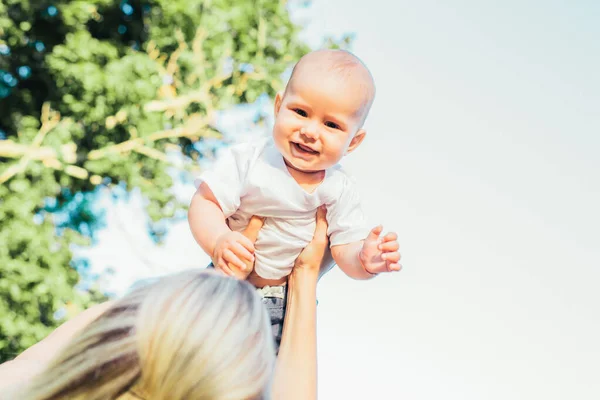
(333, 154)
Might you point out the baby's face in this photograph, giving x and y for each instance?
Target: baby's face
(317, 119)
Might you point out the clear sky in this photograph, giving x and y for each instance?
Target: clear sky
(482, 153)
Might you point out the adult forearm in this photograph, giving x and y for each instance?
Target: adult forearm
(37, 357)
(17, 372)
(207, 222)
(296, 369)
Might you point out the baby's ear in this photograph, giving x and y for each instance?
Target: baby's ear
(356, 140)
(278, 101)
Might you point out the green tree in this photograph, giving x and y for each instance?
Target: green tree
(99, 93)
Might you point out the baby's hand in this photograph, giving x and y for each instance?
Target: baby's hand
(235, 249)
(380, 254)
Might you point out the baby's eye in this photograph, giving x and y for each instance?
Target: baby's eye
(332, 125)
(300, 112)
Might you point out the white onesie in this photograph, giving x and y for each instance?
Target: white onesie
(252, 179)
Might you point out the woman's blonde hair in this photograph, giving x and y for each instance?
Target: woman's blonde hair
(193, 335)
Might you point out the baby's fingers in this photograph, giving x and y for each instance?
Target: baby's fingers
(231, 258)
(241, 252)
(394, 267)
(223, 267)
(374, 234)
(390, 237)
(393, 257)
(244, 241)
(389, 246)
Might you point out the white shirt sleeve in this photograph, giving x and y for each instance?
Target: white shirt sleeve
(226, 178)
(345, 217)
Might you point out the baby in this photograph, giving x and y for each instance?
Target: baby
(285, 179)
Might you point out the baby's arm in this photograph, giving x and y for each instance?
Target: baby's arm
(366, 258)
(210, 230)
(206, 218)
(346, 257)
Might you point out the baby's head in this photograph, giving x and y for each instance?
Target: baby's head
(319, 117)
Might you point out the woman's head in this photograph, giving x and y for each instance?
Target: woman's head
(193, 335)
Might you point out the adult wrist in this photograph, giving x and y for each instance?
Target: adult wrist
(302, 285)
(305, 274)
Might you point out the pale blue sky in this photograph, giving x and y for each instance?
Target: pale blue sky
(483, 155)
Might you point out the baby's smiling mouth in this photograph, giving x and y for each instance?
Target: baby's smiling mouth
(304, 149)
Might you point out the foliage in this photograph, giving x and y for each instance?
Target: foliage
(102, 92)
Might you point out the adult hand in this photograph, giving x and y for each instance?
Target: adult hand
(311, 257)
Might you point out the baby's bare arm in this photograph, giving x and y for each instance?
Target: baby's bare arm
(206, 219)
(369, 257)
(230, 251)
(346, 257)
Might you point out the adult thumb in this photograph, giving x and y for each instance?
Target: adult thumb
(254, 226)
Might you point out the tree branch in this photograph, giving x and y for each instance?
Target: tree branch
(195, 126)
(49, 121)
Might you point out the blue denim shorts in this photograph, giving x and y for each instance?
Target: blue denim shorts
(275, 299)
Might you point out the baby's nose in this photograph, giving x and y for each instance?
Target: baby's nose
(310, 131)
